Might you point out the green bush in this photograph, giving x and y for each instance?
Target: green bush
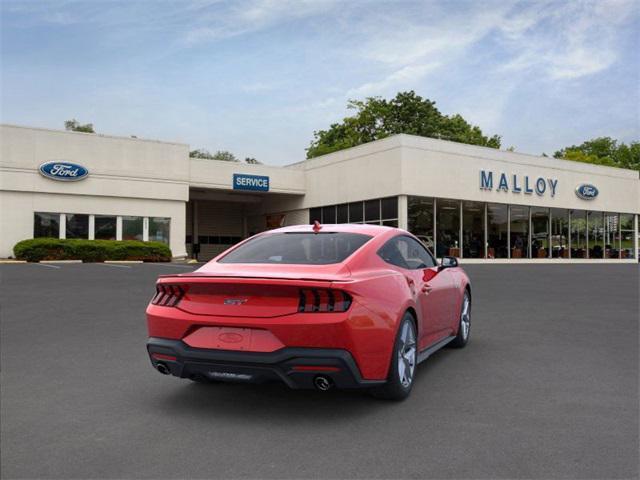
(36, 249)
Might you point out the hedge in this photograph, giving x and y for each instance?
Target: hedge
(36, 249)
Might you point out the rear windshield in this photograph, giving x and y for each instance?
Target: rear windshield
(298, 248)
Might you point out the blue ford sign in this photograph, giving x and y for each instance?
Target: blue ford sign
(586, 191)
(250, 182)
(63, 171)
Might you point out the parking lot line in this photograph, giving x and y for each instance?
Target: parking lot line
(47, 265)
(175, 266)
(114, 265)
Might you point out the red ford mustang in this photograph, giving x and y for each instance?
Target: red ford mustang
(350, 306)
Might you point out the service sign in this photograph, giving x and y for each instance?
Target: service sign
(257, 183)
(63, 171)
(586, 191)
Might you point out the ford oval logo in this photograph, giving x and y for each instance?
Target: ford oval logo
(229, 337)
(586, 191)
(63, 171)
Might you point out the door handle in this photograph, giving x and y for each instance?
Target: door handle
(426, 289)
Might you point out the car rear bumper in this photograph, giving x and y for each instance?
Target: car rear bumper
(295, 367)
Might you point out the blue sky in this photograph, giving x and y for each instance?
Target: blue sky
(257, 77)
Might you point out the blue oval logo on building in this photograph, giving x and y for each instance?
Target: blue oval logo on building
(586, 191)
(63, 171)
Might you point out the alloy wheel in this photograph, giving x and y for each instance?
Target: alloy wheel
(407, 355)
(465, 317)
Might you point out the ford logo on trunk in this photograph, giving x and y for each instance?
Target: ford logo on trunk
(586, 191)
(63, 171)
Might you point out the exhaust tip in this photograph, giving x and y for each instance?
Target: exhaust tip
(163, 369)
(323, 383)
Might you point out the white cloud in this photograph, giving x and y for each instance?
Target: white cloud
(405, 77)
(564, 41)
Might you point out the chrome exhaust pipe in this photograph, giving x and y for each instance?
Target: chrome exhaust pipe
(322, 383)
(163, 369)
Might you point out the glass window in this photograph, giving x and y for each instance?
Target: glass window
(355, 212)
(539, 232)
(315, 214)
(519, 231)
(559, 233)
(329, 214)
(105, 227)
(447, 228)
(389, 207)
(626, 236)
(596, 235)
(578, 234)
(390, 223)
(497, 228)
(472, 230)
(342, 213)
(132, 228)
(405, 252)
(77, 226)
(46, 225)
(420, 219)
(611, 235)
(297, 248)
(159, 229)
(372, 211)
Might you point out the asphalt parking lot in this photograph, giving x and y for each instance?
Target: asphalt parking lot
(547, 388)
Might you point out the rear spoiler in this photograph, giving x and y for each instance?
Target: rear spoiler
(212, 279)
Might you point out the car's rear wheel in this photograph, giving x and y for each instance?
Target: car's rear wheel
(464, 327)
(403, 363)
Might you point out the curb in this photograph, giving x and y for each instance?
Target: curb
(60, 261)
(8, 262)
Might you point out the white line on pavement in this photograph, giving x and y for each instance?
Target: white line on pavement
(174, 266)
(46, 265)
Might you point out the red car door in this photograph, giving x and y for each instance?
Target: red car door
(435, 297)
(433, 290)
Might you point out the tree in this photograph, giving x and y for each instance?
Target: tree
(377, 118)
(604, 151)
(219, 155)
(75, 126)
(224, 156)
(252, 161)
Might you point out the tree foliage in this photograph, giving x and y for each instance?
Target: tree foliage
(604, 151)
(252, 161)
(377, 118)
(74, 126)
(219, 155)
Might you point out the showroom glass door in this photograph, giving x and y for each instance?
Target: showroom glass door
(540, 232)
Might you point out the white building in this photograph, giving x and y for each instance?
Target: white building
(476, 203)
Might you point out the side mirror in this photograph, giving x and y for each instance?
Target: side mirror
(448, 262)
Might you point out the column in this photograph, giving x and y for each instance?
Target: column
(145, 229)
(118, 227)
(63, 225)
(403, 212)
(635, 237)
(92, 227)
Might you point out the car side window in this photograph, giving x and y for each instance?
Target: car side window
(406, 252)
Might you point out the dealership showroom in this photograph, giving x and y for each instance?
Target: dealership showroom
(475, 203)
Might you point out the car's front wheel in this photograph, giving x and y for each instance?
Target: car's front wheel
(403, 363)
(464, 327)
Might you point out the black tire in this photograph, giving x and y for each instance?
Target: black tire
(462, 337)
(395, 388)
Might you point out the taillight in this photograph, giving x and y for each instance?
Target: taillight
(168, 295)
(323, 300)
